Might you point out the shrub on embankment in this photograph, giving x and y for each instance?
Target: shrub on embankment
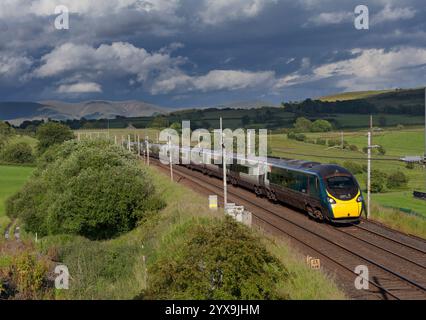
(216, 259)
(93, 189)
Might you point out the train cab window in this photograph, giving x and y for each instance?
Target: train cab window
(342, 187)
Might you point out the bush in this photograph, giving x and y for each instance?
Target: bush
(321, 126)
(397, 180)
(6, 131)
(20, 152)
(321, 141)
(333, 143)
(381, 150)
(410, 165)
(353, 147)
(24, 275)
(378, 180)
(300, 137)
(98, 192)
(221, 260)
(52, 133)
(296, 136)
(303, 125)
(353, 167)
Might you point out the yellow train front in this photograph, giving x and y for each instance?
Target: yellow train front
(325, 192)
(341, 194)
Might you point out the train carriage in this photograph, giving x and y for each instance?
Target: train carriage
(325, 192)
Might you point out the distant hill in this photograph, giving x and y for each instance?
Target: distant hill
(345, 96)
(381, 98)
(252, 104)
(16, 112)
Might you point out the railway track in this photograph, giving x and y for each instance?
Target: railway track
(397, 266)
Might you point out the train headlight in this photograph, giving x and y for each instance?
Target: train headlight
(332, 201)
(360, 199)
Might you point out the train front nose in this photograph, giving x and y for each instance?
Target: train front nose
(349, 210)
(346, 209)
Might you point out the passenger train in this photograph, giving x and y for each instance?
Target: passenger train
(325, 192)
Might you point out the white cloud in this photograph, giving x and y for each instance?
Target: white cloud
(119, 58)
(210, 11)
(219, 11)
(14, 8)
(158, 71)
(12, 66)
(388, 13)
(232, 80)
(214, 80)
(326, 18)
(83, 87)
(368, 69)
(393, 14)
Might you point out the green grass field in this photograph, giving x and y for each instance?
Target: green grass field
(11, 180)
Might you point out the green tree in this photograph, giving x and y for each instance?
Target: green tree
(6, 131)
(321, 126)
(397, 180)
(90, 188)
(20, 152)
(159, 122)
(303, 125)
(176, 126)
(52, 133)
(245, 120)
(353, 167)
(378, 181)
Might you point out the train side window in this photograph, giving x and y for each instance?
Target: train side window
(239, 168)
(314, 187)
(303, 183)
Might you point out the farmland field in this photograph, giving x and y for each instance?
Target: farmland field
(397, 143)
(11, 180)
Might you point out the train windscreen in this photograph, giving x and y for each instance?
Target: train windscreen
(342, 187)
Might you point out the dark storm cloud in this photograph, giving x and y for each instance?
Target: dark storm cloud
(192, 52)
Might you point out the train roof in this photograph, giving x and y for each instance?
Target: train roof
(306, 166)
(309, 166)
